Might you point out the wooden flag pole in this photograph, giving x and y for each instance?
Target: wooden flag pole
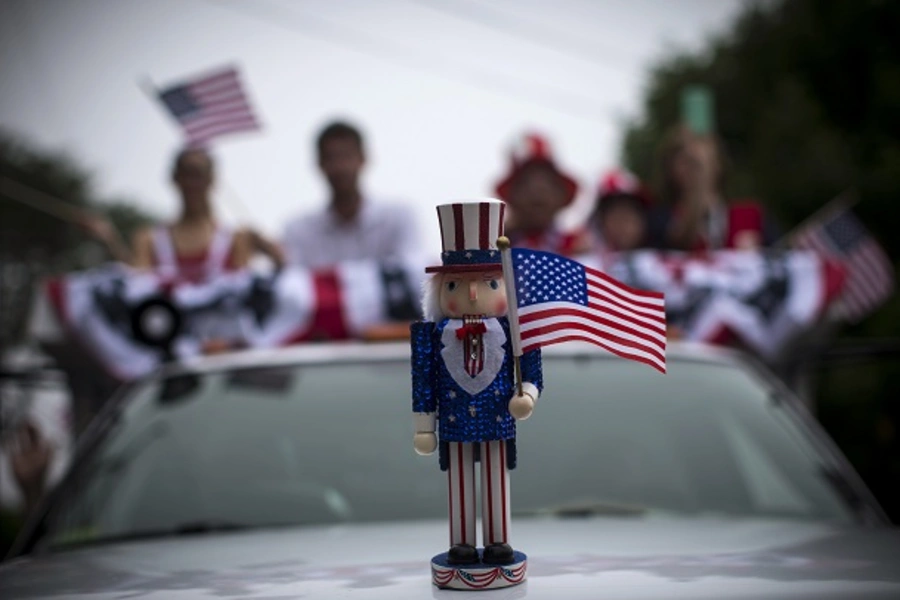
(509, 281)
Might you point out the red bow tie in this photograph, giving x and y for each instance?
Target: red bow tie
(470, 329)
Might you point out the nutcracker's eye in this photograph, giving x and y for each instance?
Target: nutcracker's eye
(494, 284)
(452, 285)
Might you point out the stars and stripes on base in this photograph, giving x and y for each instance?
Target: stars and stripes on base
(840, 236)
(210, 106)
(561, 300)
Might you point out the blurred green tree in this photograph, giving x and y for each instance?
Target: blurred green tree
(806, 96)
(34, 244)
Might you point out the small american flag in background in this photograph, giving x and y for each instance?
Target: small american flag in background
(210, 106)
(561, 300)
(870, 275)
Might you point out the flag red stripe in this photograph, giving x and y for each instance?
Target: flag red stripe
(621, 287)
(230, 99)
(212, 91)
(576, 337)
(239, 105)
(652, 348)
(605, 301)
(529, 319)
(636, 302)
(223, 128)
(215, 79)
(205, 122)
(219, 113)
(871, 267)
(226, 108)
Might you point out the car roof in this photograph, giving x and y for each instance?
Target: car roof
(355, 351)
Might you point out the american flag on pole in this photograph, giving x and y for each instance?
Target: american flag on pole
(561, 300)
(838, 235)
(210, 106)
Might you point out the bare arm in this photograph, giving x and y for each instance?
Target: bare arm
(102, 230)
(142, 249)
(249, 242)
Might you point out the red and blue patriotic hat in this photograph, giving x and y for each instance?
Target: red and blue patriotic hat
(619, 182)
(469, 232)
(532, 149)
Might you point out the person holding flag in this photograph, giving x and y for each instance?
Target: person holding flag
(476, 369)
(195, 248)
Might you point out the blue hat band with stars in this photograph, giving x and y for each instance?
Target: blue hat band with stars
(467, 260)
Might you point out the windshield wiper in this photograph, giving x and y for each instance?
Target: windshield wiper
(586, 509)
(182, 529)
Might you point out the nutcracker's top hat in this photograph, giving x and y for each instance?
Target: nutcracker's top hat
(469, 232)
(533, 149)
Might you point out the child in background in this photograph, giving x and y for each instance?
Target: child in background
(619, 220)
(536, 191)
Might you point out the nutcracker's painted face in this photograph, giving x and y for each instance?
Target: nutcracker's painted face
(473, 293)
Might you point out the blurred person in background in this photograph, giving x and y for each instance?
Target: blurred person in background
(352, 226)
(619, 220)
(36, 441)
(196, 247)
(536, 191)
(694, 214)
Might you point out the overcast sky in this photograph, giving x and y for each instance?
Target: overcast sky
(440, 88)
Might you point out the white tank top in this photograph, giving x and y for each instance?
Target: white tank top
(167, 263)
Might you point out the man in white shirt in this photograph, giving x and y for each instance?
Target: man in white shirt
(352, 226)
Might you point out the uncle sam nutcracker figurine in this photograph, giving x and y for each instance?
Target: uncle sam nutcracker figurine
(463, 380)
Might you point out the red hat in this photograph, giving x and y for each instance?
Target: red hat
(533, 148)
(619, 182)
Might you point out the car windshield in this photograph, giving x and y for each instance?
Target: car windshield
(332, 443)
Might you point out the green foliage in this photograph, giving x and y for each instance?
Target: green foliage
(807, 95)
(34, 244)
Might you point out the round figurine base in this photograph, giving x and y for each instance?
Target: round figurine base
(477, 576)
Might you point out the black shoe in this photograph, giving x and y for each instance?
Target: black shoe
(497, 554)
(462, 554)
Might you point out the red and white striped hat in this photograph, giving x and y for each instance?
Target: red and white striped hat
(529, 149)
(619, 182)
(469, 232)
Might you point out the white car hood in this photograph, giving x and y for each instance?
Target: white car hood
(641, 558)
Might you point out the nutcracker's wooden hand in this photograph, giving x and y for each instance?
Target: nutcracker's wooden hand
(521, 406)
(425, 443)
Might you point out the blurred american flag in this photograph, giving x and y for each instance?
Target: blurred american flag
(840, 236)
(210, 106)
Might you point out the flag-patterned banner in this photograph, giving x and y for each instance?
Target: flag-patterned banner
(759, 301)
(210, 106)
(756, 300)
(838, 235)
(117, 313)
(561, 300)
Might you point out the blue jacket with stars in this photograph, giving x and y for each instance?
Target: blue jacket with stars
(469, 409)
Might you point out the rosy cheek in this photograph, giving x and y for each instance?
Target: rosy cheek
(500, 307)
(452, 307)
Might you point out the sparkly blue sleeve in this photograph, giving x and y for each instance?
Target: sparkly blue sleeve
(531, 368)
(421, 336)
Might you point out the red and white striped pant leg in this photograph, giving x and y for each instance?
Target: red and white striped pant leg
(461, 480)
(494, 493)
